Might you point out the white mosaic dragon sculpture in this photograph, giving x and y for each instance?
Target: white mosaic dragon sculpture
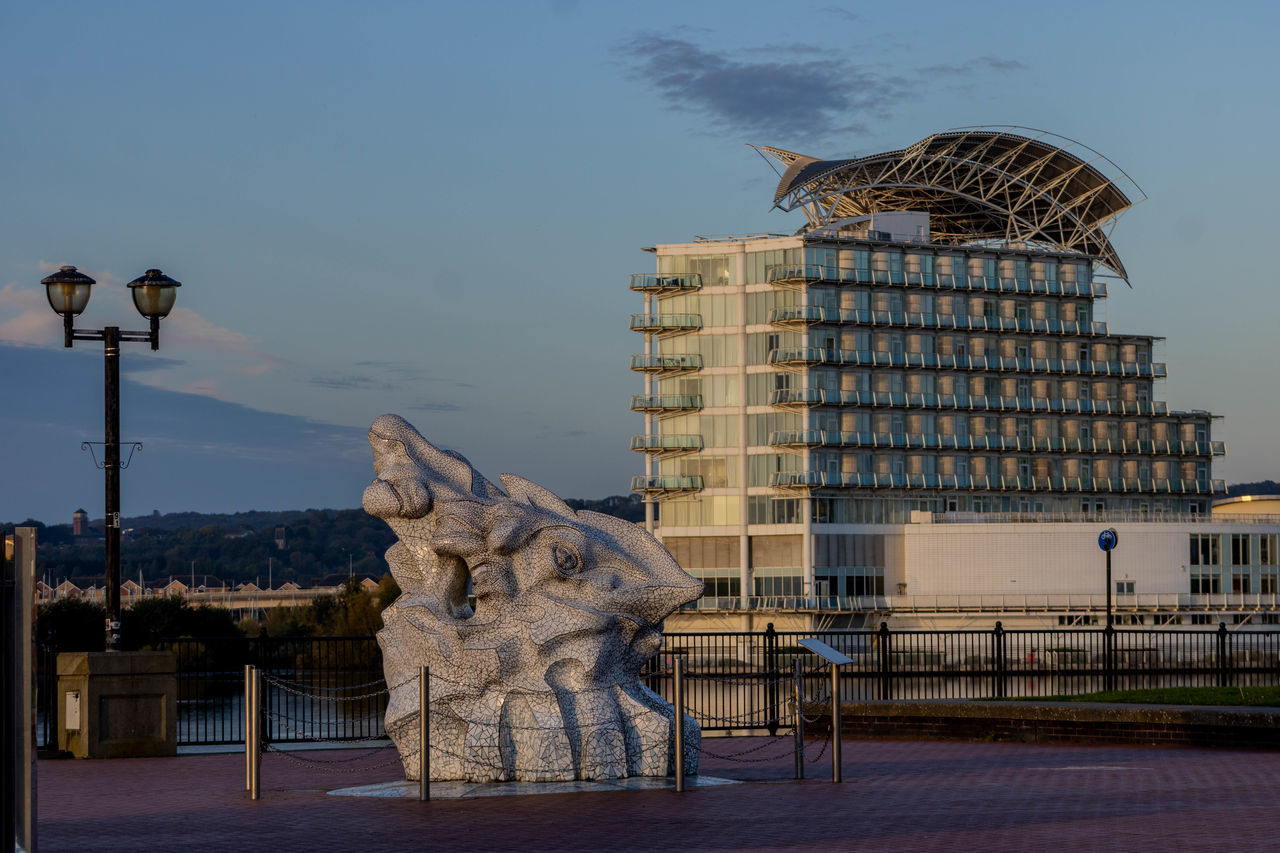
(540, 682)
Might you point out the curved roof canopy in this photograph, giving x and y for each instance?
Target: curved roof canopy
(977, 184)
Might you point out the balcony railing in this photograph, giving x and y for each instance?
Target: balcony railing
(666, 402)
(1078, 603)
(810, 273)
(666, 443)
(963, 402)
(911, 441)
(657, 283)
(666, 322)
(648, 484)
(678, 363)
(802, 397)
(805, 315)
(853, 480)
(985, 363)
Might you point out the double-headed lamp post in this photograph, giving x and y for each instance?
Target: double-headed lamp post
(153, 295)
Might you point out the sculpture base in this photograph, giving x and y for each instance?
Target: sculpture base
(468, 790)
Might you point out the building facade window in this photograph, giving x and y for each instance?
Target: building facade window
(1205, 583)
(1204, 549)
(1267, 549)
(1240, 549)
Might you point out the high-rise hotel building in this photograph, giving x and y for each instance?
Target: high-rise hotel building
(926, 345)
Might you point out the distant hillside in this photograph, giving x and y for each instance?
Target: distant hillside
(242, 546)
(252, 520)
(1262, 487)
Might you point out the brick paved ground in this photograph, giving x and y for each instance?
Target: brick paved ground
(897, 795)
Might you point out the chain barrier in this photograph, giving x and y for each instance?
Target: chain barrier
(325, 766)
(807, 702)
(277, 680)
(749, 716)
(307, 695)
(826, 743)
(737, 756)
(307, 736)
(748, 719)
(761, 680)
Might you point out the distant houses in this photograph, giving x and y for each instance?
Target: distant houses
(200, 589)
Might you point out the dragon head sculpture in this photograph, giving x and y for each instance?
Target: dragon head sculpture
(538, 681)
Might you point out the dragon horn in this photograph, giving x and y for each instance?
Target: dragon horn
(522, 490)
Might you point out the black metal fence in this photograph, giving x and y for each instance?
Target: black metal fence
(743, 680)
(734, 681)
(211, 688)
(347, 671)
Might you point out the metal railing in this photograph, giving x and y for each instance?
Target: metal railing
(332, 688)
(347, 670)
(995, 483)
(820, 315)
(665, 322)
(1166, 604)
(988, 363)
(655, 363)
(656, 283)
(736, 681)
(966, 402)
(939, 281)
(1024, 443)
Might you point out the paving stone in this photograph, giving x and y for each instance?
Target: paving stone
(897, 796)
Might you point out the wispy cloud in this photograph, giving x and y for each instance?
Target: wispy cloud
(841, 13)
(31, 321)
(979, 63)
(436, 407)
(800, 93)
(352, 383)
(25, 318)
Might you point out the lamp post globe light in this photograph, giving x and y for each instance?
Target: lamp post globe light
(154, 293)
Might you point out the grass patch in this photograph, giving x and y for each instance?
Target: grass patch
(1254, 696)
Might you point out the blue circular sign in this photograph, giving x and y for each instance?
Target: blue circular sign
(1108, 539)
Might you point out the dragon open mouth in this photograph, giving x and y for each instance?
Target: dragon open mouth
(458, 584)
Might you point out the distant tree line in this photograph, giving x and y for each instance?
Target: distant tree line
(76, 625)
(1262, 487)
(241, 547)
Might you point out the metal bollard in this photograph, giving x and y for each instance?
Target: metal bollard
(424, 734)
(248, 726)
(255, 766)
(679, 744)
(798, 689)
(835, 723)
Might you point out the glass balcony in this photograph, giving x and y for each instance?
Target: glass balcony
(666, 443)
(804, 315)
(666, 322)
(983, 363)
(916, 441)
(797, 397)
(812, 315)
(666, 402)
(655, 283)
(678, 363)
(966, 402)
(847, 480)
(796, 274)
(658, 484)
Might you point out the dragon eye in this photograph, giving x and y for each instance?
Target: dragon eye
(566, 559)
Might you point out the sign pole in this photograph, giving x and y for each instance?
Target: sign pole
(1107, 541)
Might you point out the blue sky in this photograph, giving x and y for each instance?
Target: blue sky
(432, 209)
